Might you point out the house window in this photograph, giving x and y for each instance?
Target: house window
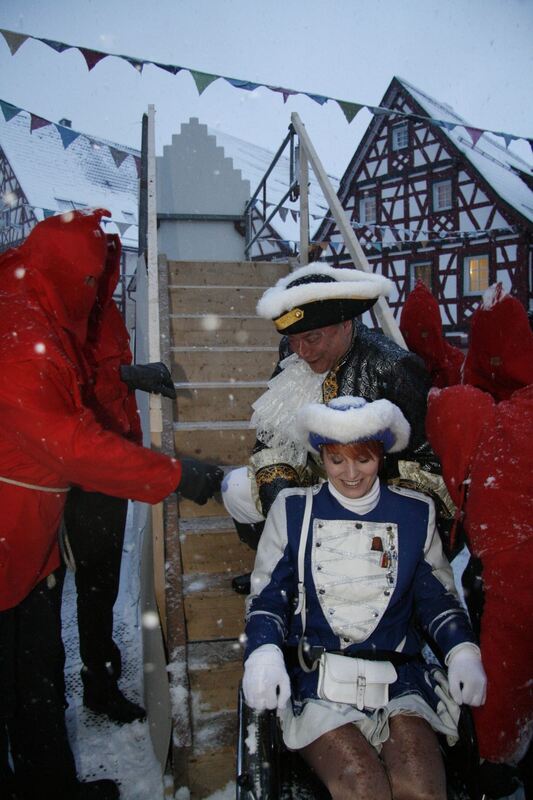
(400, 136)
(442, 195)
(476, 274)
(422, 271)
(367, 209)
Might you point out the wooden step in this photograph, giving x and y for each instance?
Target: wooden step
(217, 442)
(224, 401)
(234, 273)
(214, 551)
(223, 329)
(203, 364)
(213, 610)
(214, 299)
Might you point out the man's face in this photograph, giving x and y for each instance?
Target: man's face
(323, 347)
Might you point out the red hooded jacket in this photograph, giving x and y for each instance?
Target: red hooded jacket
(107, 347)
(49, 439)
(421, 326)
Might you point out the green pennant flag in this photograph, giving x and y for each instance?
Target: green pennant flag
(203, 79)
(350, 110)
(14, 40)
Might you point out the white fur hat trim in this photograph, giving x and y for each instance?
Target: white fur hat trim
(352, 419)
(349, 283)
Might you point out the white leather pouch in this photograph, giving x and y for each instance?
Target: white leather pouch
(361, 683)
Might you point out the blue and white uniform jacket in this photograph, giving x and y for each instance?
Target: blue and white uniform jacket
(367, 578)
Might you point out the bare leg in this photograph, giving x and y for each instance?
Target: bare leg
(348, 765)
(413, 760)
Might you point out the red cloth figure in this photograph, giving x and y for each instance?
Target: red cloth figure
(48, 437)
(486, 453)
(421, 326)
(500, 353)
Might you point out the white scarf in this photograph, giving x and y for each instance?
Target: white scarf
(358, 505)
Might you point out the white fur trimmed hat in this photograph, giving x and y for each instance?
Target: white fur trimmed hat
(346, 420)
(317, 295)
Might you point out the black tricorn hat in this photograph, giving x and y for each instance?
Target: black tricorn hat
(318, 295)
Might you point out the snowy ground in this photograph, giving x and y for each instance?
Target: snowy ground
(103, 749)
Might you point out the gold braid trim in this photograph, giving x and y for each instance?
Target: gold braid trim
(270, 474)
(330, 387)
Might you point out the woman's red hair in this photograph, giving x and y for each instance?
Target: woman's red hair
(369, 449)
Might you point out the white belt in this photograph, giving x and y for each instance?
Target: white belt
(33, 486)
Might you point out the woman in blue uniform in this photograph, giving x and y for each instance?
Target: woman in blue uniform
(346, 575)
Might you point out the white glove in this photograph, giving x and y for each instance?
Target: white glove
(466, 676)
(265, 683)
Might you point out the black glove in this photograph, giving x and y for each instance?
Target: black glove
(153, 378)
(199, 481)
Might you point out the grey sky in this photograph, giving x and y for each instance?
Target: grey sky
(476, 55)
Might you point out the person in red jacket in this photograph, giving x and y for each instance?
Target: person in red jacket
(95, 522)
(421, 326)
(50, 440)
(482, 434)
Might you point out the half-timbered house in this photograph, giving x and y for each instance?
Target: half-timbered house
(444, 203)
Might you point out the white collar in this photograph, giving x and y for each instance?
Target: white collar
(358, 505)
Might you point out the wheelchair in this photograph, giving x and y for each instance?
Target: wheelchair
(266, 770)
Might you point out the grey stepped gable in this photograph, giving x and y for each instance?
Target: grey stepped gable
(195, 179)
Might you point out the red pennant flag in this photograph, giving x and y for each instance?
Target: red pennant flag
(474, 133)
(118, 155)
(38, 122)
(92, 57)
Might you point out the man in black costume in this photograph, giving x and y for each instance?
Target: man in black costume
(325, 352)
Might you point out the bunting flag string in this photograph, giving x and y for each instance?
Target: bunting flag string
(408, 234)
(204, 79)
(68, 135)
(51, 212)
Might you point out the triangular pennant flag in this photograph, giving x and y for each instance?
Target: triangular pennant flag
(14, 40)
(92, 57)
(294, 215)
(474, 133)
(318, 98)
(118, 155)
(377, 245)
(283, 213)
(59, 47)
(281, 90)
(350, 110)
(203, 79)
(530, 143)
(137, 165)
(38, 122)
(8, 110)
(168, 68)
(123, 227)
(48, 212)
(507, 138)
(135, 63)
(238, 84)
(67, 135)
(445, 124)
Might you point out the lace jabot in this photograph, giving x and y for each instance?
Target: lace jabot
(275, 411)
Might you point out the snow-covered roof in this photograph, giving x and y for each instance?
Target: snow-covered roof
(490, 158)
(253, 162)
(84, 174)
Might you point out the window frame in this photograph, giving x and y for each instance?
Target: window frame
(413, 277)
(434, 185)
(467, 291)
(362, 208)
(399, 127)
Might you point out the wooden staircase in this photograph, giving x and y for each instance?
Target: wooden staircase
(222, 357)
